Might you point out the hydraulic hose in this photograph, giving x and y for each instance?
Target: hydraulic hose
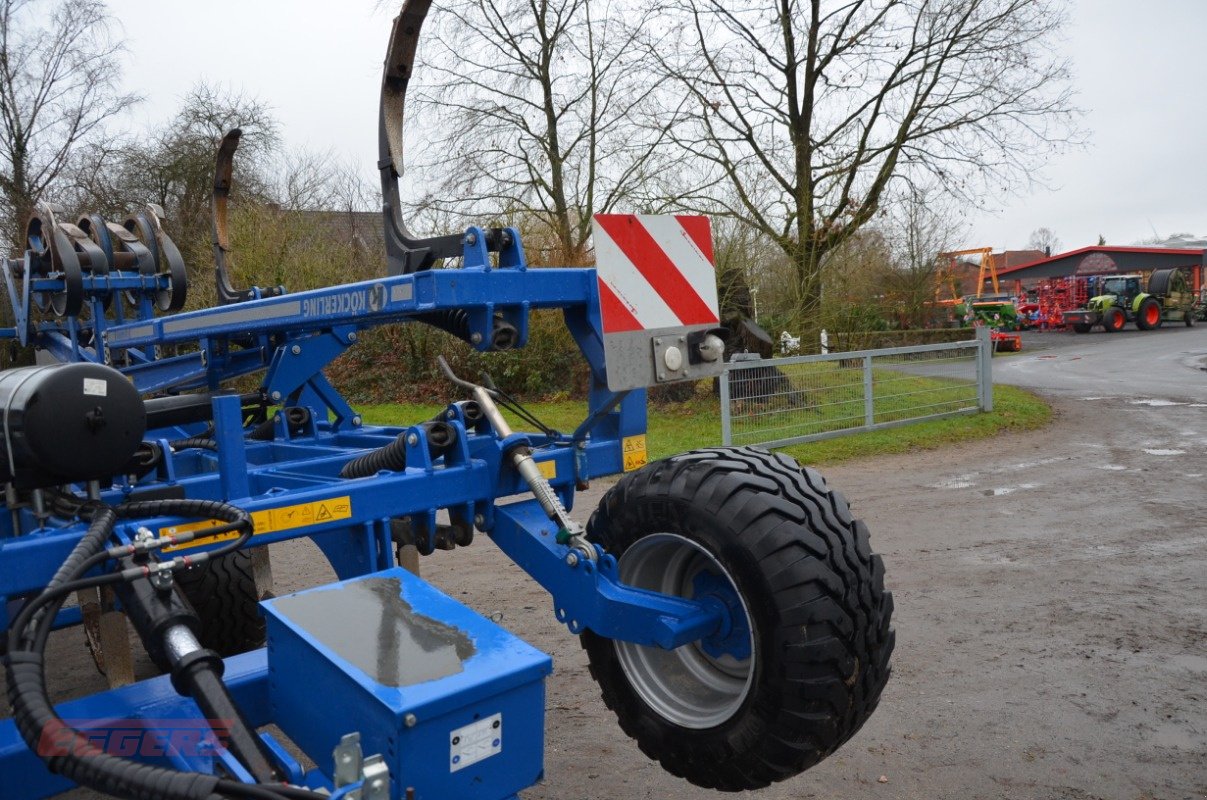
(264, 432)
(82, 555)
(68, 751)
(71, 753)
(75, 757)
(194, 442)
(168, 626)
(503, 334)
(393, 456)
(296, 419)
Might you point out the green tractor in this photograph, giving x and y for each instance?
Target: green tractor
(1120, 301)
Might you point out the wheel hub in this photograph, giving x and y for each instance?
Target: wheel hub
(732, 636)
(702, 684)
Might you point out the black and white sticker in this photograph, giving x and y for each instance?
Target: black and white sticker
(475, 742)
(96, 387)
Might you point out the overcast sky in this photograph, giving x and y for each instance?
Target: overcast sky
(1140, 70)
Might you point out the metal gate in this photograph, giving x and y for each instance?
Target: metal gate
(782, 401)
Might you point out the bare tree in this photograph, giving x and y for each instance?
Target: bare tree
(740, 254)
(59, 75)
(173, 166)
(531, 108)
(1044, 239)
(921, 226)
(812, 115)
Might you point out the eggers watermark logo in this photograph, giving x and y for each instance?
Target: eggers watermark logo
(131, 738)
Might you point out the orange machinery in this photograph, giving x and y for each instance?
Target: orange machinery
(988, 267)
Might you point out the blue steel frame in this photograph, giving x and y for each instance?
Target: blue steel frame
(292, 338)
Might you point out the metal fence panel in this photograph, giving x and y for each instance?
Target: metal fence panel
(784, 401)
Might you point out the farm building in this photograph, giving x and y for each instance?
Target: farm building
(1065, 281)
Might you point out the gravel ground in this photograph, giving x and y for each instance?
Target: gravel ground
(1051, 593)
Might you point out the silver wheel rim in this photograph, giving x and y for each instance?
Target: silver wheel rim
(686, 686)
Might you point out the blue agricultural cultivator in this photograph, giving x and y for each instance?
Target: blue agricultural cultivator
(731, 608)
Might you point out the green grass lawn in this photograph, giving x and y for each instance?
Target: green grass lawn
(812, 398)
(674, 428)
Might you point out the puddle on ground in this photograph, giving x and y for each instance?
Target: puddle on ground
(1110, 467)
(369, 625)
(1156, 402)
(1008, 490)
(968, 479)
(954, 483)
(1158, 451)
(1024, 465)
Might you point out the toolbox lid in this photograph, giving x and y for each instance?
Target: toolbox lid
(404, 641)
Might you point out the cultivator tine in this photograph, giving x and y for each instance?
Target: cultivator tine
(400, 61)
(89, 253)
(224, 167)
(404, 253)
(37, 242)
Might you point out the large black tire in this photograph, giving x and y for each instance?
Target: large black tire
(1113, 320)
(223, 593)
(1081, 327)
(819, 640)
(1148, 315)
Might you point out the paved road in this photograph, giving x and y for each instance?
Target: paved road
(1141, 364)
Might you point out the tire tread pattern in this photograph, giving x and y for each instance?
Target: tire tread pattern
(223, 593)
(825, 636)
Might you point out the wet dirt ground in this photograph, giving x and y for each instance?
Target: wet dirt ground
(1051, 593)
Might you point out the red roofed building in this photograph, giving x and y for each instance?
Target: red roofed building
(1105, 260)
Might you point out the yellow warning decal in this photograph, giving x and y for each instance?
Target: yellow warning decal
(635, 456)
(548, 469)
(271, 520)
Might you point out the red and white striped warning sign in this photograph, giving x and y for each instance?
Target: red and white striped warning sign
(655, 271)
